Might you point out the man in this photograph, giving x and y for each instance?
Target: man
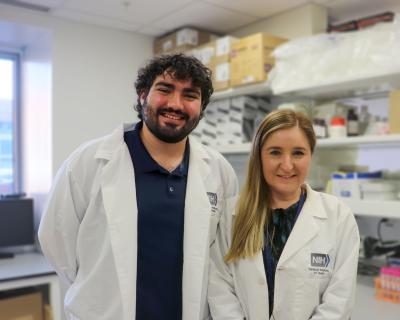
(131, 216)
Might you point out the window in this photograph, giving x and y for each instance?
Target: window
(9, 124)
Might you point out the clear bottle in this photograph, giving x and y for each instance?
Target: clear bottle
(364, 119)
(319, 128)
(352, 123)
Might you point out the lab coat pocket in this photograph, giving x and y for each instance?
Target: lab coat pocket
(307, 297)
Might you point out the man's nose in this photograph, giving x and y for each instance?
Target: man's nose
(175, 101)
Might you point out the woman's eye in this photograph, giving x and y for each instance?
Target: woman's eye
(298, 153)
(274, 152)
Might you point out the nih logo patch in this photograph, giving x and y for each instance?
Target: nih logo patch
(320, 260)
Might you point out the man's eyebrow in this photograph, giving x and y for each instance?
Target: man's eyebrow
(192, 90)
(171, 86)
(164, 84)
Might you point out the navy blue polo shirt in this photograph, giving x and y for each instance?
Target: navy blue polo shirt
(160, 197)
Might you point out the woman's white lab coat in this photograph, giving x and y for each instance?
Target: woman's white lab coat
(89, 228)
(315, 276)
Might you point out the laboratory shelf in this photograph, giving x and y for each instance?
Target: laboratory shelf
(362, 85)
(261, 89)
(237, 148)
(361, 141)
(374, 208)
(348, 142)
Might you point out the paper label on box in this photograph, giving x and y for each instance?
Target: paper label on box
(223, 46)
(187, 36)
(206, 55)
(167, 45)
(247, 79)
(222, 72)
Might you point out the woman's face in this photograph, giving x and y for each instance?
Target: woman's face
(285, 159)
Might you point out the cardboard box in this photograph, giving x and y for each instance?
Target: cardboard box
(221, 76)
(181, 40)
(205, 53)
(221, 63)
(251, 58)
(394, 111)
(23, 307)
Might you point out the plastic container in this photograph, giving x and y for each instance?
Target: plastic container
(385, 294)
(338, 129)
(348, 184)
(379, 190)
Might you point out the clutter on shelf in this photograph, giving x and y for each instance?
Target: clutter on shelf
(234, 62)
(362, 23)
(336, 57)
(387, 285)
(365, 185)
(231, 121)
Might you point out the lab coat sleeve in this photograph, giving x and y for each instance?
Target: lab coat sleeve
(59, 225)
(339, 297)
(222, 299)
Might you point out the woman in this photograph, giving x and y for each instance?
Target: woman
(287, 252)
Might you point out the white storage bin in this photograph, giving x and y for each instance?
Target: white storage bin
(348, 185)
(379, 190)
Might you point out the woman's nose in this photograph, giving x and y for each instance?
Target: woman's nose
(287, 163)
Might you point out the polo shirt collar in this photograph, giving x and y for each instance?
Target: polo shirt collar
(145, 163)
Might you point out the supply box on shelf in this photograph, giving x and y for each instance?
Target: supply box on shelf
(26, 306)
(348, 184)
(221, 63)
(387, 285)
(181, 40)
(394, 111)
(216, 56)
(251, 58)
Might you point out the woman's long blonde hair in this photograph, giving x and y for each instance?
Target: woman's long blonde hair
(254, 199)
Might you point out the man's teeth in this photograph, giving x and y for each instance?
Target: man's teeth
(170, 116)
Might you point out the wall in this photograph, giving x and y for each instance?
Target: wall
(301, 21)
(92, 74)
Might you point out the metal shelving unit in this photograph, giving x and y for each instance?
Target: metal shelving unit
(360, 86)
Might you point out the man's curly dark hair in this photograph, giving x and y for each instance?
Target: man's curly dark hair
(179, 67)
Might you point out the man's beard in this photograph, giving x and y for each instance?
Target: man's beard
(168, 133)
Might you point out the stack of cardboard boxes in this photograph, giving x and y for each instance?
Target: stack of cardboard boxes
(251, 58)
(181, 40)
(234, 62)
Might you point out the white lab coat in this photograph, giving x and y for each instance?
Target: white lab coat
(89, 229)
(304, 288)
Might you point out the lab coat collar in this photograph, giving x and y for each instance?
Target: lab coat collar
(306, 226)
(113, 141)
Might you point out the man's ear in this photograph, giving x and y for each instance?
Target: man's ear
(142, 97)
